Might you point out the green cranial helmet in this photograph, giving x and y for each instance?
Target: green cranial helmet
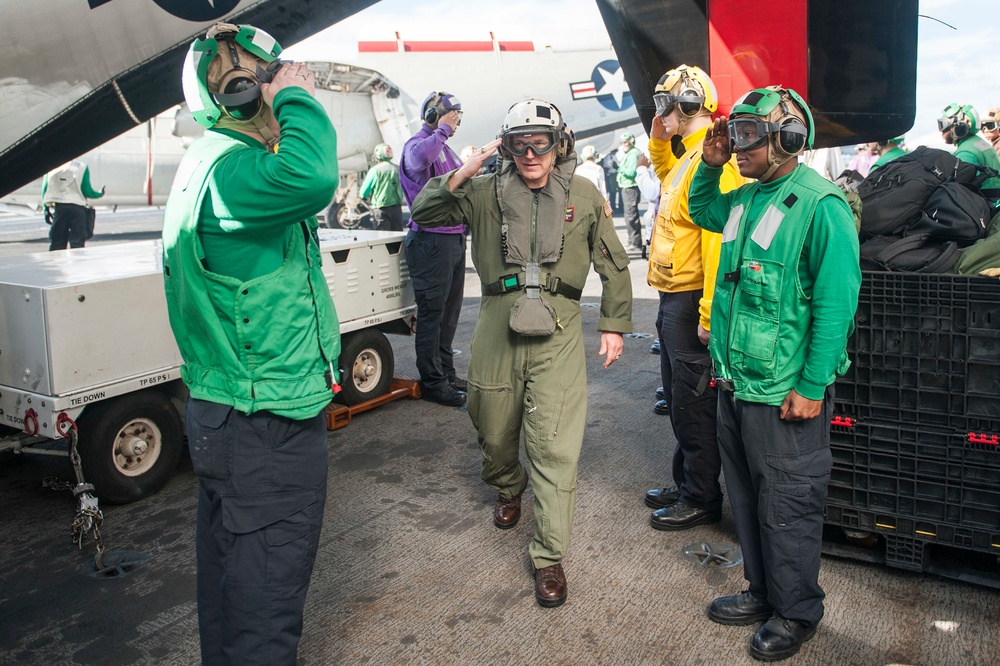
(782, 107)
(959, 120)
(242, 48)
(383, 152)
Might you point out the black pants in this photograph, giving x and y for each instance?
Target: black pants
(389, 218)
(437, 268)
(262, 491)
(777, 474)
(685, 367)
(633, 225)
(70, 224)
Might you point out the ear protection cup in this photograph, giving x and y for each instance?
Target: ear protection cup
(243, 111)
(689, 109)
(960, 130)
(791, 143)
(431, 111)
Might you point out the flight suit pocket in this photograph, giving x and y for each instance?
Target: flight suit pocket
(492, 409)
(796, 486)
(613, 250)
(208, 442)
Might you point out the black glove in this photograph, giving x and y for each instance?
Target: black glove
(48, 215)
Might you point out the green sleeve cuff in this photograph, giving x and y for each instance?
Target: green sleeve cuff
(810, 390)
(608, 325)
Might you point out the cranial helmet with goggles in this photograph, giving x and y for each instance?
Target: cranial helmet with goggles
(687, 89)
(959, 121)
(223, 74)
(536, 125)
(383, 152)
(991, 123)
(775, 116)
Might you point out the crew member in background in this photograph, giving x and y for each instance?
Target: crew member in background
(784, 306)
(527, 375)
(435, 257)
(683, 260)
(958, 125)
(628, 163)
(610, 165)
(887, 151)
(66, 191)
(649, 189)
(382, 190)
(591, 170)
(990, 127)
(252, 316)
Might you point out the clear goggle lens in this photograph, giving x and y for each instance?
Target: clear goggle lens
(989, 126)
(665, 103)
(747, 133)
(539, 143)
(945, 124)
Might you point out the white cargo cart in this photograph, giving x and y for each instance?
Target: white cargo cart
(84, 338)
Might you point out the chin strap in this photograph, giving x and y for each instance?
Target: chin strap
(265, 131)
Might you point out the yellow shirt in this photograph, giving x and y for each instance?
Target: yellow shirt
(682, 256)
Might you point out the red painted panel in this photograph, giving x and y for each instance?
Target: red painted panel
(439, 47)
(751, 45)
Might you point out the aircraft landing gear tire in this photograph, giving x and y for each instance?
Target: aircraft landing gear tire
(130, 446)
(343, 216)
(366, 366)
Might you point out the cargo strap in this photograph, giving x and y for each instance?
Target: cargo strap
(515, 282)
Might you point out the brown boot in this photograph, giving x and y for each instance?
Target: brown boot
(550, 586)
(507, 511)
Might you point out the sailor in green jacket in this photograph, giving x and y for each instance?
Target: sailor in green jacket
(958, 125)
(784, 306)
(382, 191)
(887, 151)
(536, 230)
(257, 330)
(628, 167)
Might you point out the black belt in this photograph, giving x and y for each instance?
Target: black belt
(515, 282)
(724, 384)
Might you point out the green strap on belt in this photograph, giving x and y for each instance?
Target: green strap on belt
(515, 282)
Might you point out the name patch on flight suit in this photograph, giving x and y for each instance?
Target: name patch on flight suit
(607, 208)
(570, 212)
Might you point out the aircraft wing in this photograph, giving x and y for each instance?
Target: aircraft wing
(854, 61)
(76, 73)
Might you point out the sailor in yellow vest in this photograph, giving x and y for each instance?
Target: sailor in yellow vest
(683, 260)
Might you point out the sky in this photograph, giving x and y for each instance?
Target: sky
(954, 64)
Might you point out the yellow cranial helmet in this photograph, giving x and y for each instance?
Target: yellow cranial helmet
(688, 89)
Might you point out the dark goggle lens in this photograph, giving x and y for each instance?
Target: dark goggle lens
(665, 103)
(518, 144)
(989, 126)
(746, 134)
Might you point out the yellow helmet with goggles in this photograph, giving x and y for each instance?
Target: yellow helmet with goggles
(687, 89)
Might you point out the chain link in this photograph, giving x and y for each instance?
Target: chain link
(89, 517)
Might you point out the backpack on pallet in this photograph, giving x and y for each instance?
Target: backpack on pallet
(893, 196)
(912, 254)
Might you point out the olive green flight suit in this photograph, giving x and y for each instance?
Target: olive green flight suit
(535, 385)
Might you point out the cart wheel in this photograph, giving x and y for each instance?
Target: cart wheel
(366, 366)
(129, 446)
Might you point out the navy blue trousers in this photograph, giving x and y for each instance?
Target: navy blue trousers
(437, 268)
(685, 368)
(260, 509)
(777, 474)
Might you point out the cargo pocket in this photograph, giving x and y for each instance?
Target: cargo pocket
(287, 523)
(492, 409)
(755, 339)
(796, 486)
(614, 250)
(208, 442)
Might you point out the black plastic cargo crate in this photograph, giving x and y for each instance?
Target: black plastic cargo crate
(926, 351)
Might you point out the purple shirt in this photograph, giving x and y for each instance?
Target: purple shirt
(425, 156)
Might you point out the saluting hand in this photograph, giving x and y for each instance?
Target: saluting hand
(659, 130)
(474, 165)
(451, 119)
(715, 149)
(291, 74)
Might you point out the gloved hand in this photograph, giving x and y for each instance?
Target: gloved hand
(990, 272)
